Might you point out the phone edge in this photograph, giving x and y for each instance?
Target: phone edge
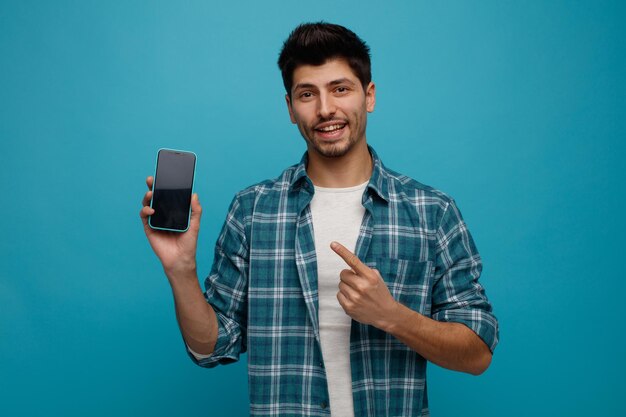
(193, 184)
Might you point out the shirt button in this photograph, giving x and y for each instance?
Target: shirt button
(323, 405)
(321, 364)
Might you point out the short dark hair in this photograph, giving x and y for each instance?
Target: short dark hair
(316, 43)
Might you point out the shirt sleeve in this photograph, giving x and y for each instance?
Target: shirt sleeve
(457, 294)
(226, 291)
(197, 355)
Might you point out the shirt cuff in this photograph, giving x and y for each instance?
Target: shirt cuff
(227, 347)
(481, 322)
(198, 356)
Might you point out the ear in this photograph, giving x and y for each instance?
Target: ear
(370, 97)
(288, 101)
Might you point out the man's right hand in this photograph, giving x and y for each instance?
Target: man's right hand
(177, 251)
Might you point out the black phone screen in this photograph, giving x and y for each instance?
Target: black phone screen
(171, 191)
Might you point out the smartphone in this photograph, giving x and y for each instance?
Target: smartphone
(171, 190)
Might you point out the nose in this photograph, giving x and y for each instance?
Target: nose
(326, 106)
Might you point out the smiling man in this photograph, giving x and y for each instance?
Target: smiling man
(341, 278)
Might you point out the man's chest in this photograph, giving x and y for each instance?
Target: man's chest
(284, 257)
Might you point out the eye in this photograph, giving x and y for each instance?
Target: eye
(305, 95)
(341, 89)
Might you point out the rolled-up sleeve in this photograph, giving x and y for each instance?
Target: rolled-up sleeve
(226, 290)
(457, 294)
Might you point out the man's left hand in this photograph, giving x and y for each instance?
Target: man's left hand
(363, 294)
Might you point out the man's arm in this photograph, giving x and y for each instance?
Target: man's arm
(447, 344)
(196, 318)
(365, 297)
(177, 252)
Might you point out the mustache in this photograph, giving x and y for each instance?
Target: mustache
(331, 121)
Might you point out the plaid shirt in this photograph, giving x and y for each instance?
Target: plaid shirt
(263, 288)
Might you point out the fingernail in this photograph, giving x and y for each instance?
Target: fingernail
(333, 245)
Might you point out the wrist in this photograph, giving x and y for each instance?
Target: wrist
(182, 273)
(394, 318)
(403, 320)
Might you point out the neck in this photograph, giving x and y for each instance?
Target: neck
(353, 168)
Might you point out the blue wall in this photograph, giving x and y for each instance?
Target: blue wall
(516, 109)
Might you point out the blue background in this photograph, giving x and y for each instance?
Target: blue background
(516, 109)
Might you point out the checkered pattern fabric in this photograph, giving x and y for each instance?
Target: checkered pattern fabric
(263, 288)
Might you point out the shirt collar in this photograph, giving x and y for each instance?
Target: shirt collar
(378, 183)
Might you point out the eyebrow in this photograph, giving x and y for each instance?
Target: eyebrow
(329, 84)
(341, 81)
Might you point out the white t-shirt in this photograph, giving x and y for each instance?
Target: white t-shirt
(337, 216)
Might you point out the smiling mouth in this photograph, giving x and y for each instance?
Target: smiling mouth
(331, 128)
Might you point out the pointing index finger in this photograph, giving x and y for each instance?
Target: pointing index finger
(350, 258)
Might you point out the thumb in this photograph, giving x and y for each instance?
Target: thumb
(196, 208)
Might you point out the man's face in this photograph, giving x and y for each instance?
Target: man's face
(330, 107)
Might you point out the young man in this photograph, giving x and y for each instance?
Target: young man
(340, 278)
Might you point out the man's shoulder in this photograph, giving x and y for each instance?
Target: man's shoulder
(268, 187)
(403, 187)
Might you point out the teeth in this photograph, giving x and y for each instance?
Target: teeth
(331, 128)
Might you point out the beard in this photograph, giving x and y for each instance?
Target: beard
(332, 150)
(335, 149)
